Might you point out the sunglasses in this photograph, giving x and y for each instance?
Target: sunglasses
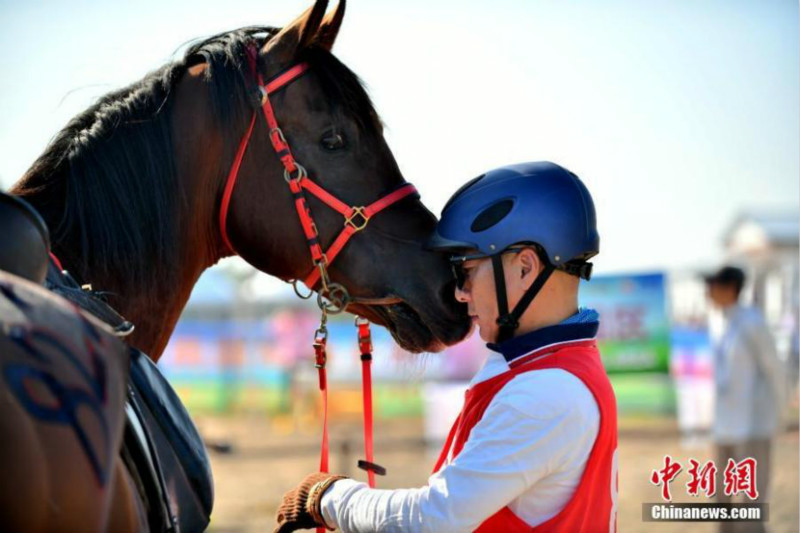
(457, 264)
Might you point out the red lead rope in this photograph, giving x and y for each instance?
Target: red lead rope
(365, 346)
(320, 359)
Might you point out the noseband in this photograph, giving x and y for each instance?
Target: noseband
(356, 218)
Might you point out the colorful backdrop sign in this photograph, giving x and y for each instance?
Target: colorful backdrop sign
(634, 327)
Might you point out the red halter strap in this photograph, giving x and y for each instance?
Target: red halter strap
(356, 217)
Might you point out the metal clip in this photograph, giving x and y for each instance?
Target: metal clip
(322, 264)
(320, 339)
(320, 336)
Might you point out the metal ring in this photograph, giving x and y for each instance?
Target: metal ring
(301, 173)
(337, 297)
(294, 283)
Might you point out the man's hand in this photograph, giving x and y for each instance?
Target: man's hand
(300, 508)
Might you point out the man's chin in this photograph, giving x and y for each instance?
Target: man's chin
(485, 336)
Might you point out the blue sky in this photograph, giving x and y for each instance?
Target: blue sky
(677, 114)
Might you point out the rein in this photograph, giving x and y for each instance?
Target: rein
(356, 219)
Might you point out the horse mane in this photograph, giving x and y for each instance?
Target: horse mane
(106, 184)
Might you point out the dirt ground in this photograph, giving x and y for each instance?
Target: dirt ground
(267, 457)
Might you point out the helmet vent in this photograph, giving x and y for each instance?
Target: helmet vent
(491, 215)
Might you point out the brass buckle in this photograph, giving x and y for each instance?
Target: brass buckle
(358, 211)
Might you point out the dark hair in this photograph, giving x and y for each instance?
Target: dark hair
(728, 276)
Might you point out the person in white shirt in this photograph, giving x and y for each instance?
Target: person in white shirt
(749, 383)
(535, 445)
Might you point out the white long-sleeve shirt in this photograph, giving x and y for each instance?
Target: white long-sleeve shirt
(528, 451)
(749, 377)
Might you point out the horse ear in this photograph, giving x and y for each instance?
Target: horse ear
(297, 35)
(330, 27)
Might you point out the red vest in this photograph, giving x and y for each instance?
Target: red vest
(593, 506)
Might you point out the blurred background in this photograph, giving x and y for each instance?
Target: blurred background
(682, 117)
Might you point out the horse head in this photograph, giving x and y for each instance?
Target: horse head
(336, 138)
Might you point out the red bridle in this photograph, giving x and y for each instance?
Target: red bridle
(356, 218)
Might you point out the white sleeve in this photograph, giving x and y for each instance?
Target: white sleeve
(762, 346)
(525, 434)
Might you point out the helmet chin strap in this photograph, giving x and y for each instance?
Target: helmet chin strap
(509, 322)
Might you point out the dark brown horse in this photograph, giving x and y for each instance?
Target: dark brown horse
(131, 191)
(131, 188)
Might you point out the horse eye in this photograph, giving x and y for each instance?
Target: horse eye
(333, 141)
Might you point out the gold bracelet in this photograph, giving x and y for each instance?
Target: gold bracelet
(314, 500)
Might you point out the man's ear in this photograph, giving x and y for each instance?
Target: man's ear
(284, 46)
(531, 264)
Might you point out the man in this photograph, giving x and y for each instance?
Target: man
(749, 383)
(534, 448)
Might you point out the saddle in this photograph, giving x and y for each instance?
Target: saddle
(161, 446)
(26, 239)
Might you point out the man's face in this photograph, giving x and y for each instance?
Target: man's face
(480, 295)
(721, 295)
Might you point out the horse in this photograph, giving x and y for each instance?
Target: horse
(160, 180)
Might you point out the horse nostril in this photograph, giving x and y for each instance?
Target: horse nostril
(448, 295)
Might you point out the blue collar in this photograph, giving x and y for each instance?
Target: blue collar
(580, 326)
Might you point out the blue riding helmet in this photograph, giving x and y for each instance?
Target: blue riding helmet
(538, 202)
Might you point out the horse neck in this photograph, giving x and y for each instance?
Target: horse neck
(155, 309)
(155, 312)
